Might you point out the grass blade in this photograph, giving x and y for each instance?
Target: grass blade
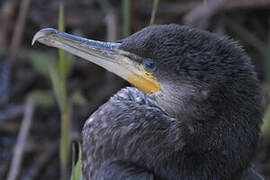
(59, 87)
(126, 7)
(77, 167)
(154, 10)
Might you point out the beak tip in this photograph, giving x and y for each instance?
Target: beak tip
(43, 33)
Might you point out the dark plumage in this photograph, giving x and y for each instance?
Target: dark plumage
(200, 119)
(204, 125)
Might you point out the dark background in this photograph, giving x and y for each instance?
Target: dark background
(23, 73)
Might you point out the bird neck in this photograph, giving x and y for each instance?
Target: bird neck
(219, 120)
(187, 103)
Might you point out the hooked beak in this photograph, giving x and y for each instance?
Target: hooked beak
(105, 54)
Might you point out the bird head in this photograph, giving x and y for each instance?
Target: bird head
(172, 63)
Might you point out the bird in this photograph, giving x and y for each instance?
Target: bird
(194, 112)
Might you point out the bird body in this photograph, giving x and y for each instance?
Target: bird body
(150, 144)
(199, 118)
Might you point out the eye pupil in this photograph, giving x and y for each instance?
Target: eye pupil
(149, 65)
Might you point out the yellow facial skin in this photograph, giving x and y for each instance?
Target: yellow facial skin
(145, 82)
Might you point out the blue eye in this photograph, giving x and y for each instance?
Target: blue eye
(149, 65)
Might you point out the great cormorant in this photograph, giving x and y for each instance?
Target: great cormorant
(195, 115)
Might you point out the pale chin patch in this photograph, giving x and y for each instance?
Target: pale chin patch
(174, 96)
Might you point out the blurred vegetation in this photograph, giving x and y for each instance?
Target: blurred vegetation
(79, 87)
(126, 5)
(153, 15)
(59, 73)
(77, 166)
